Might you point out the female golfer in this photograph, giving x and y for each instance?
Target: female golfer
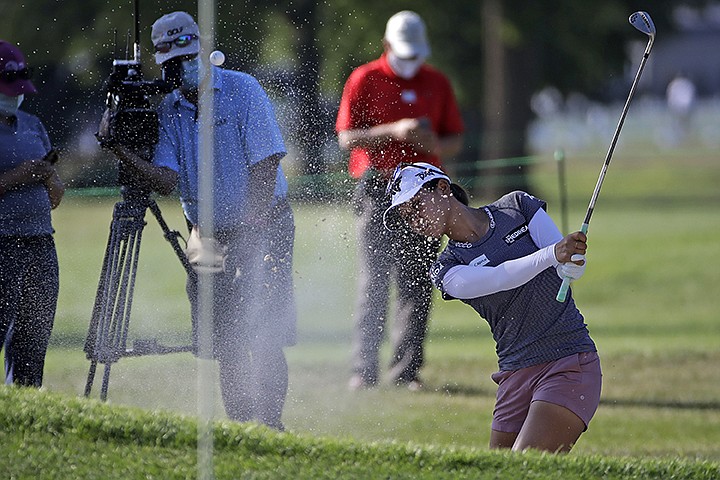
(506, 260)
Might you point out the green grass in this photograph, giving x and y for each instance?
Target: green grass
(51, 436)
(649, 297)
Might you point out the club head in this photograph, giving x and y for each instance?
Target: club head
(643, 22)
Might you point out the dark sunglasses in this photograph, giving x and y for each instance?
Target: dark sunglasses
(180, 42)
(9, 76)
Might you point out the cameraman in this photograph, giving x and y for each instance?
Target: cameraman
(29, 188)
(250, 250)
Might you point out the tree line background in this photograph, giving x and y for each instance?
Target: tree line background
(496, 53)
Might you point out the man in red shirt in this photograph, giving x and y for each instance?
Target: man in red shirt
(394, 110)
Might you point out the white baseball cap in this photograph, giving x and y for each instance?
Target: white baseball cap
(405, 183)
(167, 32)
(405, 32)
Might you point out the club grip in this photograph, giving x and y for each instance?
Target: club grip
(562, 292)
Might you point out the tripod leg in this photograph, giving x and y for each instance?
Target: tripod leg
(107, 334)
(90, 378)
(101, 294)
(170, 235)
(94, 343)
(105, 382)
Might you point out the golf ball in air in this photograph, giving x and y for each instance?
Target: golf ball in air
(217, 58)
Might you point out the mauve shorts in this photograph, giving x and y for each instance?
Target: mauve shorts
(573, 382)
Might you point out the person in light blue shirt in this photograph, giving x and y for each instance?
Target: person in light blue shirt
(29, 188)
(246, 134)
(249, 252)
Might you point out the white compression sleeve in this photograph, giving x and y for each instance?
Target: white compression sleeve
(465, 281)
(543, 230)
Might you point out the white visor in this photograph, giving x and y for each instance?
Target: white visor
(406, 182)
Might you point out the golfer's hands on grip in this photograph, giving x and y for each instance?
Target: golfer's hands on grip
(570, 252)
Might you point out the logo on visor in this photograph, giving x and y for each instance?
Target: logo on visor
(394, 187)
(424, 174)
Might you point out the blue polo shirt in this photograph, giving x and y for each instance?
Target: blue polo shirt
(246, 132)
(24, 211)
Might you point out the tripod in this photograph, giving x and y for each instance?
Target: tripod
(107, 336)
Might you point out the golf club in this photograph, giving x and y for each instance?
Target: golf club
(643, 22)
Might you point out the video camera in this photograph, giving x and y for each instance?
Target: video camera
(129, 118)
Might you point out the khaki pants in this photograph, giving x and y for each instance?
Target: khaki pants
(254, 318)
(386, 257)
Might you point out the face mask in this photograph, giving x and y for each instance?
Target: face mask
(191, 74)
(406, 69)
(9, 105)
(172, 72)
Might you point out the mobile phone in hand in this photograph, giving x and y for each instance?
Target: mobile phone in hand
(51, 156)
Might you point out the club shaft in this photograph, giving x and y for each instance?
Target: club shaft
(565, 286)
(616, 135)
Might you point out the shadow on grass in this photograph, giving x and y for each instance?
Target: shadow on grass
(671, 404)
(473, 391)
(456, 389)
